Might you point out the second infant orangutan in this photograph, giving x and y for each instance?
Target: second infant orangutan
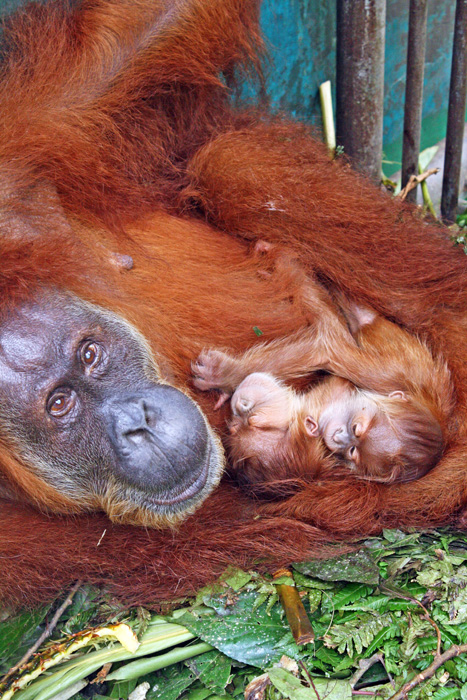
(381, 414)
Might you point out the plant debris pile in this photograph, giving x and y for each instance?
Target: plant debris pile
(388, 619)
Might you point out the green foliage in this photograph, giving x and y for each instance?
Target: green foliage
(461, 220)
(379, 606)
(17, 633)
(251, 636)
(357, 566)
(460, 235)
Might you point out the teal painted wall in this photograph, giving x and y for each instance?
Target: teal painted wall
(301, 40)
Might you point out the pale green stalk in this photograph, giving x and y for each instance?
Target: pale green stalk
(157, 637)
(135, 669)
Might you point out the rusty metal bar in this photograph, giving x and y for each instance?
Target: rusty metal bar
(416, 44)
(360, 83)
(456, 116)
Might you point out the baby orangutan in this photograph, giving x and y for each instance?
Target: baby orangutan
(382, 414)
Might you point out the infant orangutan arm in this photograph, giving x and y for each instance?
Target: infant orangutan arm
(385, 359)
(294, 356)
(397, 361)
(381, 357)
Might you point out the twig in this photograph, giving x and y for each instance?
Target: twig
(398, 594)
(364, 665)
(427, 201)
(439, 660)
(363, 692)
(46, 633)
(416, 180)
(309, 678)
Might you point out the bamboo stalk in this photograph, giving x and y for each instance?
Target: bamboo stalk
(295, 612)
(325, 98)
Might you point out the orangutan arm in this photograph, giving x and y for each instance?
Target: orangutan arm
(380, 357)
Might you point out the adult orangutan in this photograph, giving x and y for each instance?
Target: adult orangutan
(121, 149)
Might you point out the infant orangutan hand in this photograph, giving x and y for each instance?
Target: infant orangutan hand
(214, 369)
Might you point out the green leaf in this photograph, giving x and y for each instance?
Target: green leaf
(375, 602)
(460, 664)
(235, 578)
(427, 156)
(347, 595)
(446, 693)
(382, 636)
(394, 535)
(18, 632)
(213, 670)
(356, 567)
(198, 694)
(329, 656)
(313, 583)
(122, 689)
(314, 600)
(170, 683)
(291, 687)
(357, 634)
(238, 631)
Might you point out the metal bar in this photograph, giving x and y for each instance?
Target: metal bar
(360, 83)
(456, 116)
(416, 45)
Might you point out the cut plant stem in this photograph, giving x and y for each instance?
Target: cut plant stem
(428, 202)
(327, 115)
(158, 637)
(138, 668)
(295, 612)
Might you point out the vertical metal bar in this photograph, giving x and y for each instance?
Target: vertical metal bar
(416, 44)
(456, 116)
(360, 82)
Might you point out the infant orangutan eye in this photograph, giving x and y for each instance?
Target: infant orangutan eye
(357, 429)
(61, 402)
(90, 354)
(352, 453)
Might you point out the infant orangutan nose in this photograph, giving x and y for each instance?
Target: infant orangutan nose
(241, 405)
(341, 436)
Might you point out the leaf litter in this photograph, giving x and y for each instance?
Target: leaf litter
(381, 615)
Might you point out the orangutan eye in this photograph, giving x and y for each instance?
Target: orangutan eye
(352, 453)
(90, 354)
(60, 402)
(357, 429)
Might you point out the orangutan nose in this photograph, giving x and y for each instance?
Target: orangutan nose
(340, 436)
(242, 405)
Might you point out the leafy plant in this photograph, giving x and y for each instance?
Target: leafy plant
(380, 615)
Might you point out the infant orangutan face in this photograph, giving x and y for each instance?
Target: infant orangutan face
(354, 427)
(263, 445)
(261, 401)
(261, 414)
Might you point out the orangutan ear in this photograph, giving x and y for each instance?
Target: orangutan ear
(311, 426)
(398, 395)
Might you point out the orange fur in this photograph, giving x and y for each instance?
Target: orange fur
(407, 391)
(124, 107)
